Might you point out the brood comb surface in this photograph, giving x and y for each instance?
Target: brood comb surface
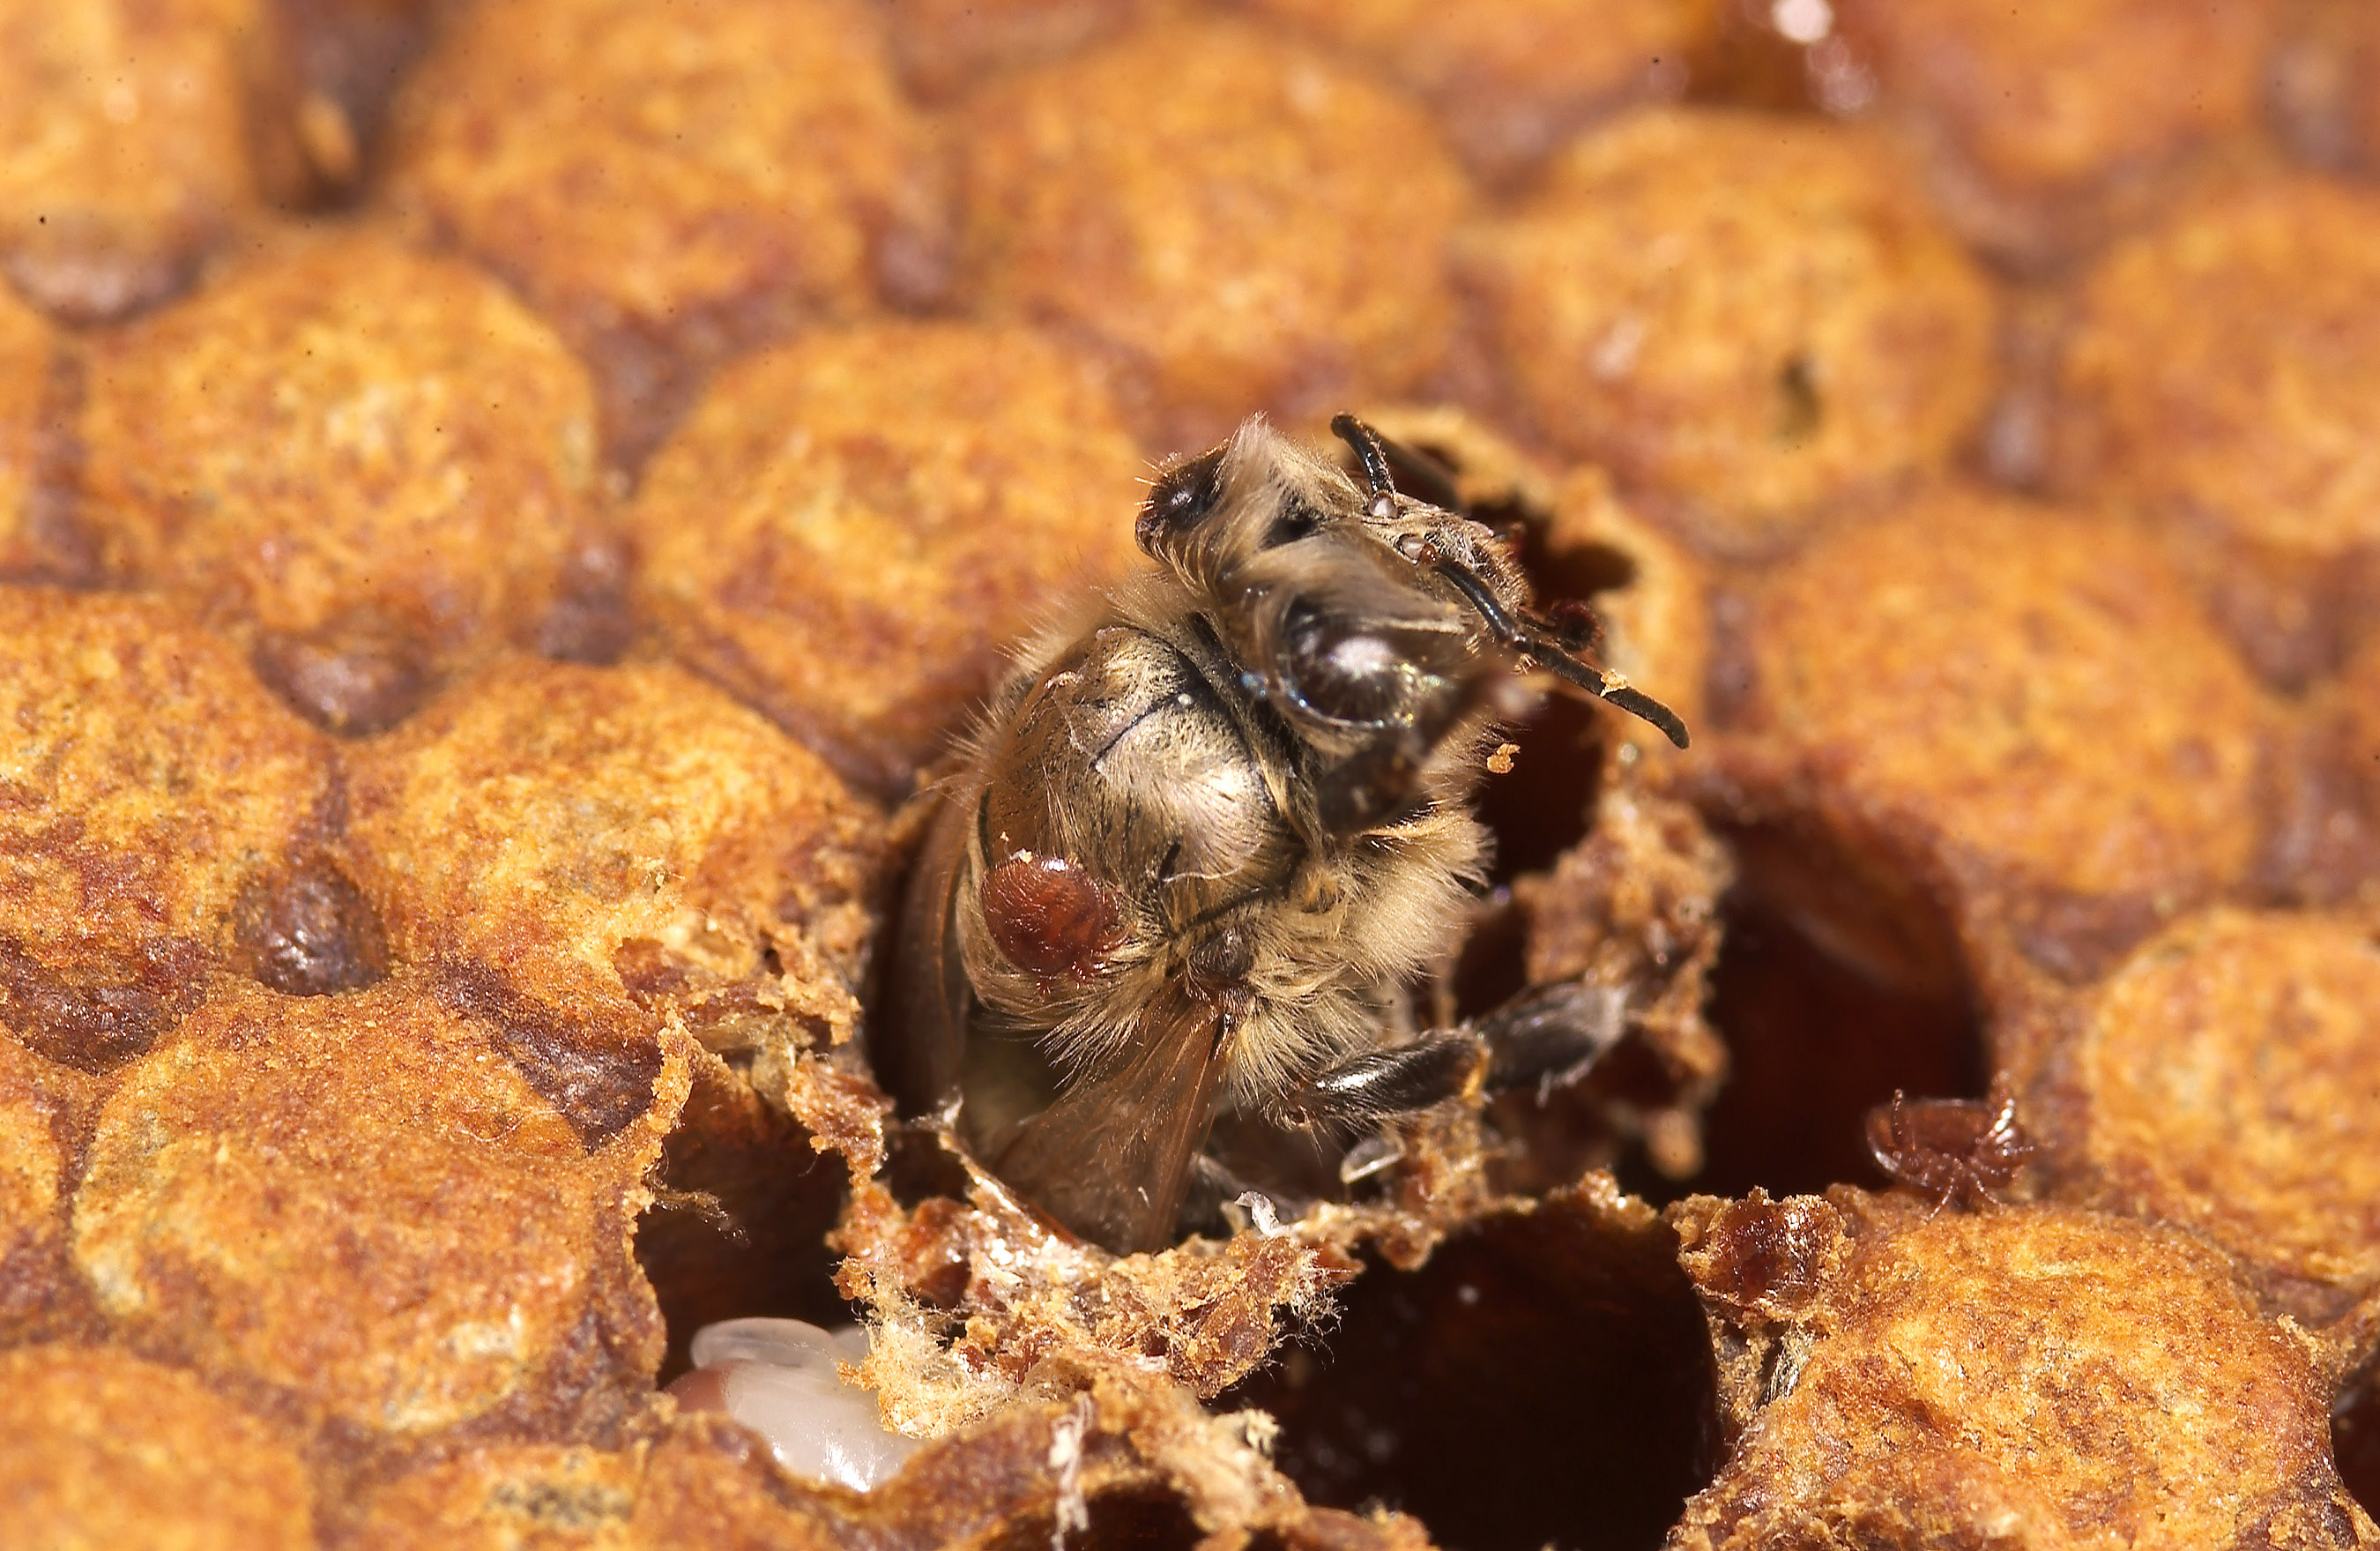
(2034, 1376)
(161, 804)
(1756, 321)
(371, 466)
(468, 650)
(2040, 130)
(1105, 191)
(2221, 1076)
(1511, 80)
(2023, 699)
(134, 139)
(2213, 377)
(669, 187)
(861, 582)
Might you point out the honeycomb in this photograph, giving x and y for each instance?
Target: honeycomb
(505, 505)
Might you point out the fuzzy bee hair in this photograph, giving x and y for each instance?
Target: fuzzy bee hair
(1209, 834)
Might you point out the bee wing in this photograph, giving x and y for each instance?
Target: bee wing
(917, 1052)
(1111, 1159)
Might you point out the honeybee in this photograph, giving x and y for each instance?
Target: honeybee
(1207, 840)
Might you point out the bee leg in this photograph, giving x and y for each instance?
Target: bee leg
(1212, 1182)
(1550, 1035)
(1221, 1195)
(1391, 466)
(1376, 1085)
(1542, 643)
(1546, 1036)
(1369, 451)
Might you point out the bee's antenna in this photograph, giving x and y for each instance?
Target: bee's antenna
(1367, 442)
(1393, 469)
(1540, 640)
(1543, 642)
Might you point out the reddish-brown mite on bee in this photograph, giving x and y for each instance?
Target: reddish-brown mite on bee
(1049, 915)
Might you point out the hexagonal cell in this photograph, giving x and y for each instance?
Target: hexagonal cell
(1107, 193)
(1512, 81)
(2218, 1078)
(850, 531)
(1543, 1378)
(2217, 376)
(159, 803)
(593, 852)
(372, 466)
(2008, 721)
(282, 1197)
(2042, 130)
(627, 832)
(133, 139)
(1815, 1041)
(747, 1201)
(1750, 320)
(669, 186)
(1899, 1376)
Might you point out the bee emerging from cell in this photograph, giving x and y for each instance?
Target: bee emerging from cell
(1208, 839)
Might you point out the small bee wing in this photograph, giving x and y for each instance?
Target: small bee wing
(1110, 1159)
(918, 1050)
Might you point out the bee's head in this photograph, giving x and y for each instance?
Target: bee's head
(1180, 503)
(1317, 587)
(1207, 515)
(1236, 514)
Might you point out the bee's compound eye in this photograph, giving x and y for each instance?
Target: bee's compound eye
(1346, 672)
(1185, 494)
(1296, 520)
(1047, 916)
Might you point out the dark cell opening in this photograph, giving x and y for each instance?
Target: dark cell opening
(98, 1028)
(1577, 572)
(595, 1067)
(354, 677)
(1544, 804)
(1493, 966)
(2355, 1438)
(592, 619)
(740, 1229)
(1799, 410)
(1544, 1379)
(1139, 1519)
(1828, 1001)
(354, 53)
